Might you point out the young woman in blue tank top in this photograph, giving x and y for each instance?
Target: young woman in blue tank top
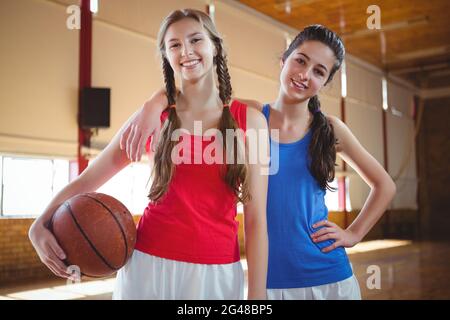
(307, 259)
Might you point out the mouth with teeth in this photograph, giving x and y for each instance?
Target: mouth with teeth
(299, 85)
(191, 64)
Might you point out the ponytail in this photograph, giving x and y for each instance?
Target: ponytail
(322, 149)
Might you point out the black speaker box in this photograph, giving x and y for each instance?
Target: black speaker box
(95, 108)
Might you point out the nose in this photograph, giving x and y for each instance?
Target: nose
(304, 74)
(187, 50)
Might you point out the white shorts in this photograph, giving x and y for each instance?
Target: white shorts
(347, 289)
(153, 278)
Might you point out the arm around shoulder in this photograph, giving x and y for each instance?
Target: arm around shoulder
(251, 103)
(255, 119)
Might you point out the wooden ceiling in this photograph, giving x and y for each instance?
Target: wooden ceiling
(413, 41)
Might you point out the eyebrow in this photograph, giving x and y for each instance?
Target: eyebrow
(189, 36)
(320, 65)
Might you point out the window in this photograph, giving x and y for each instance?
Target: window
(29, 184)
(130, 187)
(332, 197)
(384, 93)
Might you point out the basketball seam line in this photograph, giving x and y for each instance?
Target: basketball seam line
(118, 224)
(87, 239)
(65, 260)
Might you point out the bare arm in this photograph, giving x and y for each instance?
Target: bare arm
(145, 124)
(251, 103)
(256, 241)
(381, 185)
(110, 161)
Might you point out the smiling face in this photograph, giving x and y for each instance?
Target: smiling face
(306, 70)
(189, 49)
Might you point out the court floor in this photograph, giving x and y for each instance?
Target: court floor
(386, 269)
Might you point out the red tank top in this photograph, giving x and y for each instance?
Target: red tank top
(195, 220)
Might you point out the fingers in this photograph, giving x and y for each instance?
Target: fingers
(331, 231)
(138, 151)
(56, 249)
(54, 258)
(129, 140)
(142, 147)
(322, 232)
(52, 269)
(327, 236)
(155, 138)
(134, 144)
(124, 137)
(324, 223)
(335, 245)
(55, 265)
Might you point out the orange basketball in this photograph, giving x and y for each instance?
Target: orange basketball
(96, 232)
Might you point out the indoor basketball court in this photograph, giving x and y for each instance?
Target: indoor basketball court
(74, 71)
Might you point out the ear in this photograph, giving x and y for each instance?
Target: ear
(281, 63)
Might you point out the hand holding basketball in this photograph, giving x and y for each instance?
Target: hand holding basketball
(96, 231)
(92, 231)
(48, 249)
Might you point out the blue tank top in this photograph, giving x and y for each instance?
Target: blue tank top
(294, 203)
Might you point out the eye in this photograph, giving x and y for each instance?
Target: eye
(175, 45)
(301, 61)
(319, 72)
(195, 40)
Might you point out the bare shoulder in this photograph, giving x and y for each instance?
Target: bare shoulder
(251, 103)
(255, 119)
(342, 133)
(334, 121)
(339, 128)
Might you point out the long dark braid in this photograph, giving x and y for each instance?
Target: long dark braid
(225, 89)
(169, 81)
(322, 146)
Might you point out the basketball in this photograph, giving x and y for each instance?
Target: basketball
(96, 232)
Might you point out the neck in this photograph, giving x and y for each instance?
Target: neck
(199, 95)
(292, 111)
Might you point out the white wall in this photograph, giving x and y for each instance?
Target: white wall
(401, 146)
(364, 117)
(39, 79)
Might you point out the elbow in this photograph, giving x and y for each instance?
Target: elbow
(386, 186)
(392, 188)
(389, 188)
(255, 222)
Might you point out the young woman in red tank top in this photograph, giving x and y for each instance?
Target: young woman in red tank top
(187, 244)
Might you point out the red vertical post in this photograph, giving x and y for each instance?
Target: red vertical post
(85, 58)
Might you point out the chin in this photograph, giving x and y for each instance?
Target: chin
(194, 77)
(300, 96)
